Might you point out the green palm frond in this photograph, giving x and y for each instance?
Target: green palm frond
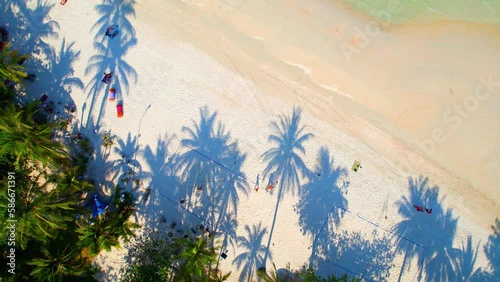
(10, 69)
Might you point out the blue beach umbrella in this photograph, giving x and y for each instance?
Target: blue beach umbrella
(97, 207)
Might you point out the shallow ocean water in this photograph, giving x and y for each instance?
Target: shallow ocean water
(419, 11)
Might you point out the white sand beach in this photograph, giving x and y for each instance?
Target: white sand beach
(410, 102)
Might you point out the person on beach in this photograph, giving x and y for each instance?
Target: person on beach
(272, 182)
(112, 31)
(109, 29)
(419, 208)
(256, 188)
(63, 2)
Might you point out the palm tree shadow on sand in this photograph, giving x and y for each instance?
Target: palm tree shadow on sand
(322, 198)
(430, 237)
(253, 256)
(110, 54)
(352, 253)
(211, 171)
(164, 184)
(283, 161)
(28, 28)
(492, 252)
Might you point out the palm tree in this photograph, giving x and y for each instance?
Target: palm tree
(10, 69)
(68, 182)
(255, 251)
(219, 276)
(195, 257)
(96, 236)
(39, 214)
(284, 160)
(104, 232)
(120, 226)
(22, 137)
(56, 263)
(274, 277)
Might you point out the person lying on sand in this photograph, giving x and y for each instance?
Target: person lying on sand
(63, 2)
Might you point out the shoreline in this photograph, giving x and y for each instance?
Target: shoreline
(345, 104)
(428, 15)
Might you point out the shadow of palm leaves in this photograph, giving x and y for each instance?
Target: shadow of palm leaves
(31, 26)
(127, 170)
(213, 161)
(438, 260)
(110, 53)
(114, 12)
(57, 77)
(252, 258)
(284, 161)
(464, 261)
(322, 196)
(163, 182)
(439, 230)
(351, 252)
(100, 167)
(63, 70)
(492, 251)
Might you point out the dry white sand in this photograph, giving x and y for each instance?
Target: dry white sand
(251, 61)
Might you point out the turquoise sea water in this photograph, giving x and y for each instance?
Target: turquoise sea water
(419, 11)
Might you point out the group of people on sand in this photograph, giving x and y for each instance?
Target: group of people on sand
(421, 209)
(270, 185)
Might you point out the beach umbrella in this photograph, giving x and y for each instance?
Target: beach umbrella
(97, 207)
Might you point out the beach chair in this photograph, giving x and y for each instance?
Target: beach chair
(119, 110)
(107, 78)
(112, 94)
(114, 33)
(356, 165)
